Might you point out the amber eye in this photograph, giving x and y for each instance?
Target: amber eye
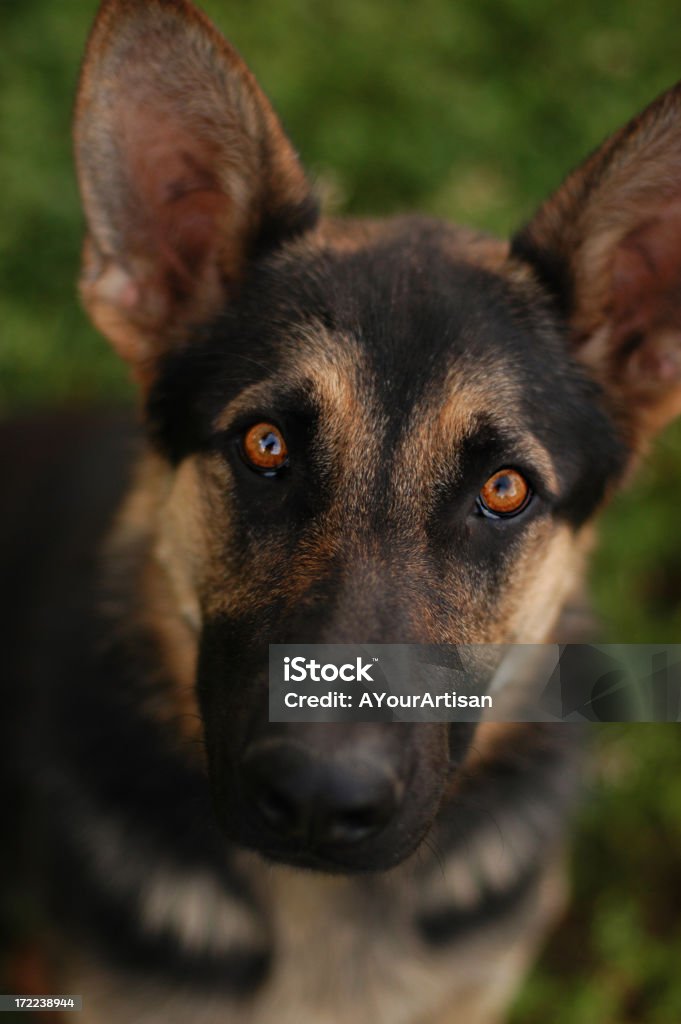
(264, 448)
(505, 494)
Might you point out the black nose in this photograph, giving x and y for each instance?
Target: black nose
(320, 800)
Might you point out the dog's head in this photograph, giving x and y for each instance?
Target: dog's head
(364, 432)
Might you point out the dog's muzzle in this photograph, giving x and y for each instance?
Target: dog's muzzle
(322, 802)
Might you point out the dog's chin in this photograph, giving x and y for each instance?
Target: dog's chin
(381, 853)
(348, 862)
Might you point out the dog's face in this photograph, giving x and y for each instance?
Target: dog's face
(370, 455)
(368, 433)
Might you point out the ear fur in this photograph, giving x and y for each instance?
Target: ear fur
(184, 172)
(607, 245)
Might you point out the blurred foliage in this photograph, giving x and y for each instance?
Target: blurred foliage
(615, 958)
(471, 110)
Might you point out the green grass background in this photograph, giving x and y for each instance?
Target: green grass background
(471, 110)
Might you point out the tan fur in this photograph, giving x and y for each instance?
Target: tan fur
(366, 976)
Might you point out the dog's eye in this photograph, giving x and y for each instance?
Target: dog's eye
(505, 494)
(264, 448)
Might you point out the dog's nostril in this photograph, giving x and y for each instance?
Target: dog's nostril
(317, 800)
(276, 808)
(357, 824)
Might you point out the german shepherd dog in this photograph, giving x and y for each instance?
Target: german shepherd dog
(355, 431)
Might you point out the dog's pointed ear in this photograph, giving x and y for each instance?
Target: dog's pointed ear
(607, 245)
(184, 171)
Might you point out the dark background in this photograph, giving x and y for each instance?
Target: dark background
(473, 111)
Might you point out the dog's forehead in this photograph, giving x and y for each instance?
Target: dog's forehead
(430, 323)
(416, 334)
(416, 300)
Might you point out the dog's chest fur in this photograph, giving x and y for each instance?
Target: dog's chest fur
(346, 951)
